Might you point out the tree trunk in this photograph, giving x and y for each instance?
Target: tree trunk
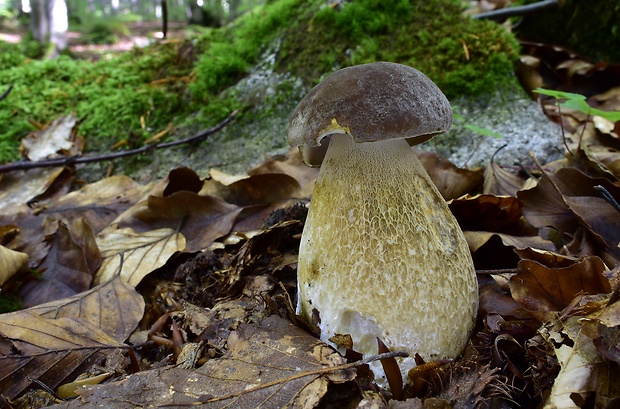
(49, 21)
(59, 24)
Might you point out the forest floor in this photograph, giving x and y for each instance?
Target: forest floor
(138, 34)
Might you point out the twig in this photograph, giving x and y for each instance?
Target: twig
(74, 160)
(608, 197)
(6, 93)
(516, 11)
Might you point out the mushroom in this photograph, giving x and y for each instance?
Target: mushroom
(381, 255)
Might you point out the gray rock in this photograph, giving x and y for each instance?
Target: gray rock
(519, 121)
(270, 97)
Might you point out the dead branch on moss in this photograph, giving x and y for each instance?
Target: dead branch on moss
(6, 93)
(75, 160)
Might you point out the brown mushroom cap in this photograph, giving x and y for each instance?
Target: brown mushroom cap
(376, 101)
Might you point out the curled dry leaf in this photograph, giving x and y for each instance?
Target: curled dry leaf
(99, 203)
(114, 307)
(259, 189)
(20, 188)
(452, 181)
(290, 164)
(66, 270)
(545, 291)
(578, 361)
(49, 350)
(272, 365)
(500, 182)
(476, 239)
(200, 219)
(55, 342)
(49, 142)
(11, 263)
(569, 199)
(488, 213)
(134, 255)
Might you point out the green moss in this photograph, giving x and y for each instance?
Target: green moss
(462, 55)
(111, 97)
(171, 82)
(9, 303)
(231, 51)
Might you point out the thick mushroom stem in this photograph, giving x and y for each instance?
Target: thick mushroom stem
(381, 254)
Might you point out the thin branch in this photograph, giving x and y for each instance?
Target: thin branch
(517, 11)
(74, 160)
(6, 93)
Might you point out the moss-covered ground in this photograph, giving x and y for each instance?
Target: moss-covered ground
(134, 95)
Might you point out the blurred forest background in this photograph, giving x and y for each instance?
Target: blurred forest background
(50, 20)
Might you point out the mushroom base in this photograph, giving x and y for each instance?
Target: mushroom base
(381, 255)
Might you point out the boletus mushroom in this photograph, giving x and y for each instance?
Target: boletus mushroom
(381, 255)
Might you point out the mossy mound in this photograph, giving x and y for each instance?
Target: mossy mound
(285, 46)
(127, 97)
(463, 56)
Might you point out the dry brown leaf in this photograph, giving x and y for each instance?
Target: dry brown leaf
(476, 239)
(568, 199)
(201, 219)
(275, 365)
(488, 213)
(452, 181)
(11, 263)
(49, 142)
(579, 365)
(500, 182)
(114, 307)
(180, 179)
(66, 270)
(134, 255)
(99, 203)
(259, 189)
(290, 164)
(48, 350)
(545, 291)
(19, 188)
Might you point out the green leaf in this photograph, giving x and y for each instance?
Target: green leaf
(578, 103)
(560, 94)
(582, 106)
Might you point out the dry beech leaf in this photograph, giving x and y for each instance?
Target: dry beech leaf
(290, 164)
(569, 199)
(114, 307)
(544, 291)
(50, 141)
(546, 258)
(66, 271)
(579, 364)
(11, 263)
(259, 189)
(201, 219)
(135, 255)
(477, 239)
(51, 351)
(488, 213)
(99, 203)
(57, 341)
(180, 179)
(452, 181)
(19, 188)
(31, 231)
(275, 365)
(500, 182)
(544, 205)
